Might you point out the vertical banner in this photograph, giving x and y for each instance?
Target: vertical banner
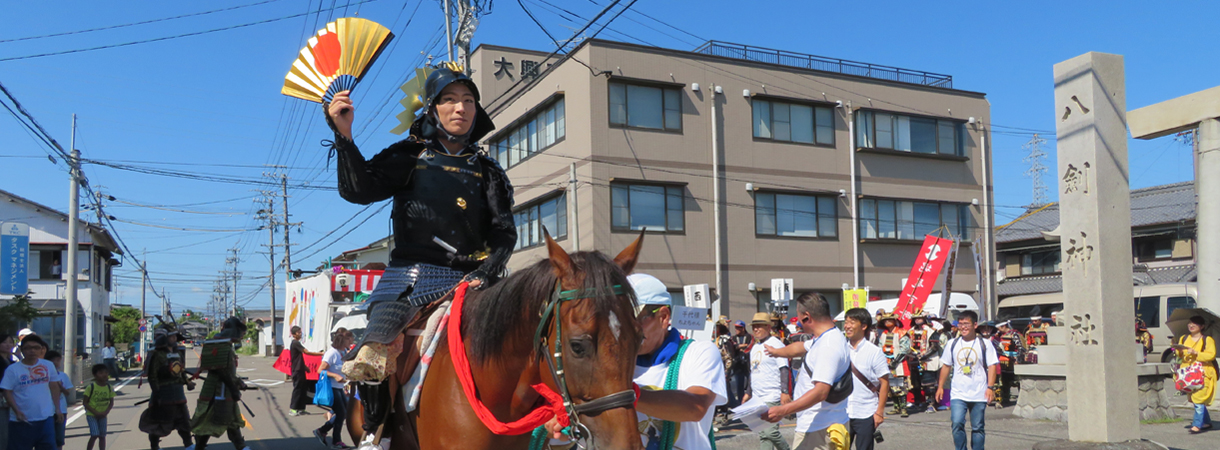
(943, 308)
(928, 263)
(855, 298)
(14, 258)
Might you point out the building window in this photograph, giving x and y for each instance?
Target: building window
(646, 107)
(907, 220)
(1154, 249)
(793, 122)
(539, 131)
(651, 207)
(910, 133)
(1038, 263)
(551, 213)
(795, 215)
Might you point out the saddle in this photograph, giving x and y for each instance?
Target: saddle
(402, 366)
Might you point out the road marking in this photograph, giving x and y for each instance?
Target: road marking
(265, 382)
(80, 409)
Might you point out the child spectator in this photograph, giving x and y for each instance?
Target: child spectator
(99, 398)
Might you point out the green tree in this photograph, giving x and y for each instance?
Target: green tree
(17, 311)
(127, 330)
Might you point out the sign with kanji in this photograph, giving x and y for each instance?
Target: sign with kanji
(781, 290)
(855, 298)
(14, 258)
(696, 295)
(928, 264)
(686, 318)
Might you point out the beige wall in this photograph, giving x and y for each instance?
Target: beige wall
(686, 157)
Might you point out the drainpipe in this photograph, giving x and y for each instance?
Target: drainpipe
(855, 213)
(718, 225)
(988, 251)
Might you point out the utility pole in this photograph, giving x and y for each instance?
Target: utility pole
(234, 260)
(143, 295)
(448, 28)
(573, 219)
(272, 224)
(73, 249)
(287, 228)
(1036, 170)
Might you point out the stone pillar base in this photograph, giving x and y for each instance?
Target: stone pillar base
(1045, 398)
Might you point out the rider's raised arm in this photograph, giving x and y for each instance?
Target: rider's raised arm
(503, 234)
(377, 179)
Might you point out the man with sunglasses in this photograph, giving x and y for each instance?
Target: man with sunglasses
(700, 383)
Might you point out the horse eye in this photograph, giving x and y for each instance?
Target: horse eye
(578, 349)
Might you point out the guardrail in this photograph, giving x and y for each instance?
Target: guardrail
(836, 65)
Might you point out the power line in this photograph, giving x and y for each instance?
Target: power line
(165, 38)
(137, 23)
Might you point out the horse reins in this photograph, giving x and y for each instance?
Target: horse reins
(554, 360)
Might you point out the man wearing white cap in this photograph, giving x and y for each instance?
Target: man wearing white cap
(688, 401)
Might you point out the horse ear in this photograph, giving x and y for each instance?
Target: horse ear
(560, 261)
(628, 257)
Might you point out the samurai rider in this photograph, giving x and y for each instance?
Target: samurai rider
(167, 377)
(452, 218)
(921, 335)
(1011, 351)
(896, 345)
(218, 411)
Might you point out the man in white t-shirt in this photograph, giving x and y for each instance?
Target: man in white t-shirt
(973, 363)
(109, 357)
(700, 383)
(32, 390)
(820, 425)
(865, 407)
(768, 378)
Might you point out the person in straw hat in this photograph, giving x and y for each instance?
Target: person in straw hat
(769, 378)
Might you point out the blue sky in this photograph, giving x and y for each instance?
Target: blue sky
(209, 104)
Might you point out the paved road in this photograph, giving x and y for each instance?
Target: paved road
(273, 429)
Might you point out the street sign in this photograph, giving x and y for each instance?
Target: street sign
(143, 328)
(781, 290)
(14, 258)
(687, 318)
(696, 295)
(143, 322)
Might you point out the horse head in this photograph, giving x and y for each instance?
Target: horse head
(597, 338)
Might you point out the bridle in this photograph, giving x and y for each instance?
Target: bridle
(550, 312)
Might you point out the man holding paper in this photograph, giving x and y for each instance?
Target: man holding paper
(820, 424)
(768, 379)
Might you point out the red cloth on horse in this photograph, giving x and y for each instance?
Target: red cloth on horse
(461, 365)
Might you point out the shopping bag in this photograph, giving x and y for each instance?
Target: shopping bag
(1190, 378)
(322, 395)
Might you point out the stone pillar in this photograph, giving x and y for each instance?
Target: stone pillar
(1095, 220)
(1207, 186)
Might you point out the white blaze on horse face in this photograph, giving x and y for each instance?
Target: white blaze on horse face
(615, 326)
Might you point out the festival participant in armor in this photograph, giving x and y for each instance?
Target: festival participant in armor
(166, 412)
(821, 410)
(728, 353)
(1011, 350)
(768, 378)
(1035, 333)
(921, 336)
(1143, 337)
(896, 345)
(931, 363)
(452, 218)
(218, 410)
(666, 402)
(777, 327)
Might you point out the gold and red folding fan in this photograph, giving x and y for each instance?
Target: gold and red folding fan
(335, 59)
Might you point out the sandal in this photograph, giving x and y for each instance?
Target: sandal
(1195, 430)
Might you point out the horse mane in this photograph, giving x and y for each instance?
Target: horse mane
(510, 308)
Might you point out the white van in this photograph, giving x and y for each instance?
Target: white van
(958, 302)
(1153, 303)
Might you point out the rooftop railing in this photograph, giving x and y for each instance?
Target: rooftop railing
(814, 62)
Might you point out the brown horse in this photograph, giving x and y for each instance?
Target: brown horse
(599, 340)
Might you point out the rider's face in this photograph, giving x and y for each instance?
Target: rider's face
(654, 326)
(455, 109)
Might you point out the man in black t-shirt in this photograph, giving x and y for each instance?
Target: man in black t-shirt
(297, 352)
